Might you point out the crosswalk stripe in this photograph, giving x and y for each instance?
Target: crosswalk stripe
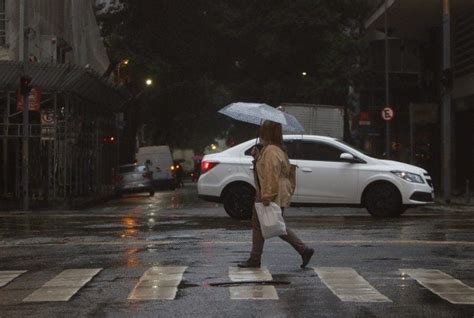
(348, 285)
(251, 292)
(8, 276)
(158, 282)
(64, 285)
(442, 284)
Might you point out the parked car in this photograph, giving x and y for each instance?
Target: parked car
(329, 172)
(158, 159)
(134, 178)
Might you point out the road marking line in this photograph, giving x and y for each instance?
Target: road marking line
(251, 292)
(158, 282)
(442, 284)
(348, 285)
(8, 276)
(63, 286)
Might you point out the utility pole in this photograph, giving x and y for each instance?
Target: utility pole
(21, 32)
(25, 86)
(387, 83)
(446, 99)
(26, 108)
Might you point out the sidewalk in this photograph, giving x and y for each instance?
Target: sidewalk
(461, 200)
(73, 203)
(457, 204)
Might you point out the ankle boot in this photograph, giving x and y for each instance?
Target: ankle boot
(306, 256)
(250, 263)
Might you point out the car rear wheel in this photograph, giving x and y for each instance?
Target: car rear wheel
(383, 200)
(238, 201)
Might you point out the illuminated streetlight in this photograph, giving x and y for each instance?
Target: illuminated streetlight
(149, 82)
(304, 73)
(123, 63)
(213, 147)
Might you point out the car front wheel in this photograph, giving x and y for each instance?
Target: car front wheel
(238, 201)
(383, 200)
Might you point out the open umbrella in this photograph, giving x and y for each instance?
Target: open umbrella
(256, 113)
(253, 113)
(292, 124)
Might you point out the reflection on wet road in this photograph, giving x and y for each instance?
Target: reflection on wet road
(144, 245)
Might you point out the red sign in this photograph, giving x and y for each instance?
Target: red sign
(387, 114)
(34, 100)
(364, 119)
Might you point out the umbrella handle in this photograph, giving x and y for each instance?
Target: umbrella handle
(258, 133)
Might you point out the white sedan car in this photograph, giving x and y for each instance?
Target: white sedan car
(329, 173)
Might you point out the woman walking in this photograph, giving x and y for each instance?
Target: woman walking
(272, 180)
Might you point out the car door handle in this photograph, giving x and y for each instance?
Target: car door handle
(307, 170)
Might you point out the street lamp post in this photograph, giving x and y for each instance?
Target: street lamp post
(387, 83)
(446, 100)
(121, 64)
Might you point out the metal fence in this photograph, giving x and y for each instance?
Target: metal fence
(70, 155)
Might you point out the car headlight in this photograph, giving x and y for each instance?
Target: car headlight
(408, 176)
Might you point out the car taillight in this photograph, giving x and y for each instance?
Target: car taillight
(208, 165)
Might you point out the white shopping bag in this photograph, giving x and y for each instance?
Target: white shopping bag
(271, 220)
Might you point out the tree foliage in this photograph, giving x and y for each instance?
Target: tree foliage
(205, 54)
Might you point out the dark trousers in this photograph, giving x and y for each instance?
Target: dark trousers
(258, 240)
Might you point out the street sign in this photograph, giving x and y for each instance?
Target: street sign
(47, 117)
(47, 124)
(364, 119)
(34, 100)
(387, 114)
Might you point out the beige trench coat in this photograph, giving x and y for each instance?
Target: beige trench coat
(275, 176)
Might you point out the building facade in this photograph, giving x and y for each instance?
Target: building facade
(62, 31)
(73, 150)
(416, 84)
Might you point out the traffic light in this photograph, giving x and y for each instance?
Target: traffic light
(25, 84)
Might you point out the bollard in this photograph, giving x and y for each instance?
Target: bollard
(468, 193)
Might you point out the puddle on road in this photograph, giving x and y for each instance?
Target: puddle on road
(171, 222)
(105, 226)
(172, 237)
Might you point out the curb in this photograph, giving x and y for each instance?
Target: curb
(74, 204)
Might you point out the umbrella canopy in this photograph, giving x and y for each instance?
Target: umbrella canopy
(256, 113)
(292, 124)
(253, 113)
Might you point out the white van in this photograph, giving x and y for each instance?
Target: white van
(159, 161)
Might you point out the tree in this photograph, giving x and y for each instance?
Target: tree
(207, 53)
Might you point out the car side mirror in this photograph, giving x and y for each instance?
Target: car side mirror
(347, 157)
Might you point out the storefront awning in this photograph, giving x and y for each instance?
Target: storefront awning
(82, 81)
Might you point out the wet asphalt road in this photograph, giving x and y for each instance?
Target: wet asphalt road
(127, 236)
